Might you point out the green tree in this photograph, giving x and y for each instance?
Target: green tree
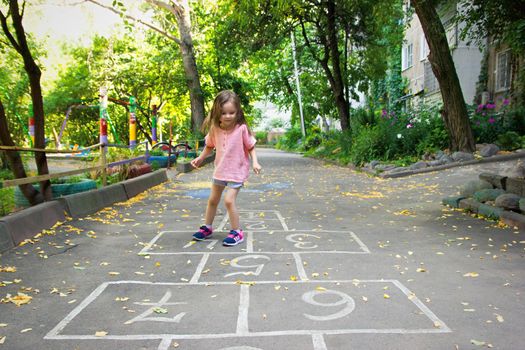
(19, 42)
(343, 39)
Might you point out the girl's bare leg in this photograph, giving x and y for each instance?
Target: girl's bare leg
(230, 200)
(213, 202)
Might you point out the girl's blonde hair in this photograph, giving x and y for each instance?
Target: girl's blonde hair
(214, 117)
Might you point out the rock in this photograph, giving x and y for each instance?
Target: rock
(384, 167)
(487, 194)
(489, 150)
(522, 205)
(471, 187)
(495, 180)
(397, 170)
(508, 201)
(439, 154)
(419, 165)
(462, 156)
(373, 164)
(517, 171)
(445, 159)
(435, 162)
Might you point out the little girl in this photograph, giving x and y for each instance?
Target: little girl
(233, 142)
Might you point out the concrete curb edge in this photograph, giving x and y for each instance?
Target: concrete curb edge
(26, 223)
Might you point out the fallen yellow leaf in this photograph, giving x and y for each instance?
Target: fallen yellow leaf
(471, 274)
(7, 269)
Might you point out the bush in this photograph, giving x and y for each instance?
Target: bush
(7, 200)
(261, 137)
(488, 125)
(290, 139)
(368, 144)
(509, 141)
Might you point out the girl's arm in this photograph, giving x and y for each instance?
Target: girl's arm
(255, 164)
(205, 152)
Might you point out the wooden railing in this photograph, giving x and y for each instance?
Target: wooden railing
(103, 165)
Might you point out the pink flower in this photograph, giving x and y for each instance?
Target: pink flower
(492, 120)
(409, 126)
(506, 102)
(491, 106)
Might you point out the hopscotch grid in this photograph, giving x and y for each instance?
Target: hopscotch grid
(200, 268)
(250, 244)
(277, 214)
(242, 330)
(242, 326)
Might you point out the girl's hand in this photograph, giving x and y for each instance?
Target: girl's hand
(256, 167)
(196, 162)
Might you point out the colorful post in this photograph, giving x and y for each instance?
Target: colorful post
(31, 125)
(154, 124)
(132, 123)
(103, 116)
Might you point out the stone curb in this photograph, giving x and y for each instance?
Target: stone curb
(429, 169)
(507, 217)
(26, 223)
(141, 183)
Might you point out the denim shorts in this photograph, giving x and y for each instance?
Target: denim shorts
(229, 184)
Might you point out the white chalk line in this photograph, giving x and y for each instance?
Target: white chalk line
(242, 323)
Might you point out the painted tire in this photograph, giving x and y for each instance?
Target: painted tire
(162, 160)
(58, 190)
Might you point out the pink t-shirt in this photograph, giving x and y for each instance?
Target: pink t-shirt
(232, 160)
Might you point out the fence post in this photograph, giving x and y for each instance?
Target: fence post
(103, 164)
(31, 123)
(154, 125)
(132, 123)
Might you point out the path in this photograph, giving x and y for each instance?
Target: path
(333, 260)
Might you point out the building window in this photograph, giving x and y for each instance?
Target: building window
(503, 70)
(423, 48)
(431, 83)
(407, 56)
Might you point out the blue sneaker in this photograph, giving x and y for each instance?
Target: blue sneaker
(203, 233)
(234, 238)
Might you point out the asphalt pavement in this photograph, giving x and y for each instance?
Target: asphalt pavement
(333, 259)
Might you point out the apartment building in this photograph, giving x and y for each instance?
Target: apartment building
(422, 84)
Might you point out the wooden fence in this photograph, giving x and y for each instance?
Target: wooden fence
(103, 165)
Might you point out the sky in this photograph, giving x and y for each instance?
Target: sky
(70, 20)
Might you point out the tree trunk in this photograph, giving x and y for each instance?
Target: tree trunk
(338, 83)
(454, 111)
(331, 50)
(34, 74)
(190, 66)
(15, 161)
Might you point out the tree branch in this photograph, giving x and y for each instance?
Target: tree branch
(176, 8)
(160, 31)
(8, 34)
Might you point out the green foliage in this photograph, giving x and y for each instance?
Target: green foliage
(488, 123)
(290, 139)
(155, 165)
(261, 137)
(67, 180)
(400, 138)
(7, 200)
(509, 141)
